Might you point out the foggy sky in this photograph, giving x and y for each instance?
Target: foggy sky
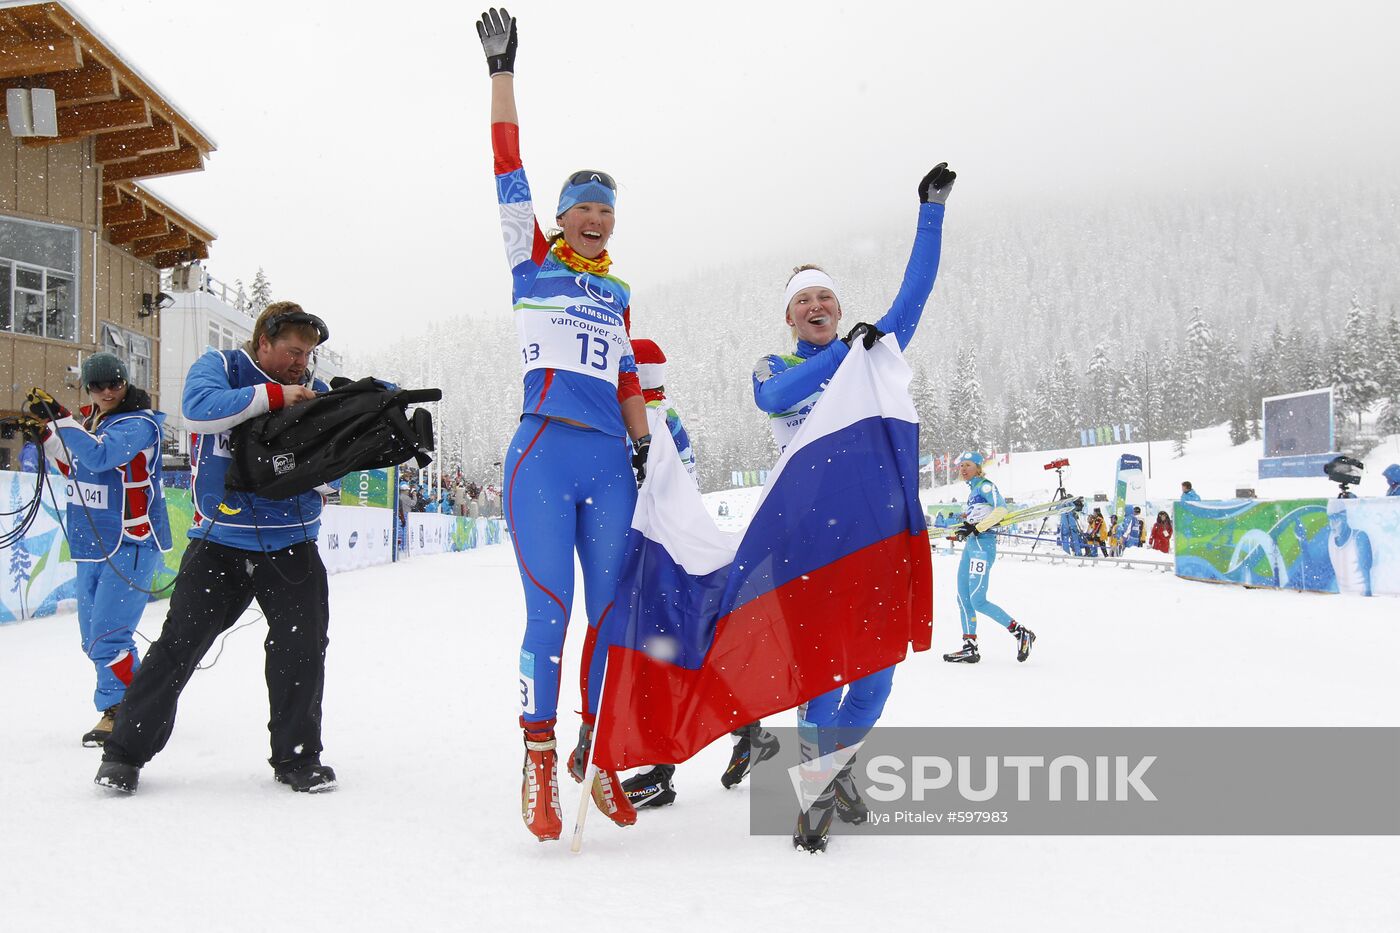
(354, 161)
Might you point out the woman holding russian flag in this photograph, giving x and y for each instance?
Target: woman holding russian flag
(786, 386)
(569, 470)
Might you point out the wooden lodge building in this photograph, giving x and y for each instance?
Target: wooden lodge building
(82, 242)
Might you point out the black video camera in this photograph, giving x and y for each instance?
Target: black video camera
(1345, 472)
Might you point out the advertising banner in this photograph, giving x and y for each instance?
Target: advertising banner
(1321, 545)
(369, 489)
(354, 537)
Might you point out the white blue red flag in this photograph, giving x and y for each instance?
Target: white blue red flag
(830, 581)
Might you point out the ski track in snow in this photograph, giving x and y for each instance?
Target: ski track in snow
(425, 833)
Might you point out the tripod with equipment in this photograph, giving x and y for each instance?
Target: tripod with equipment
(1345, 472)
(1060, 495)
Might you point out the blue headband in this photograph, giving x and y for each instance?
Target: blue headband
(591, 189)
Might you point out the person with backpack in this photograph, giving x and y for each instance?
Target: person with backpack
(243, 546)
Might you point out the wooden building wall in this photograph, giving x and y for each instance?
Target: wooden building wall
(62, 184)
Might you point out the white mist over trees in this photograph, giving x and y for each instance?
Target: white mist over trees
(1167, 314)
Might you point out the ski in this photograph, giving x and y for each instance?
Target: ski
(1026, 513)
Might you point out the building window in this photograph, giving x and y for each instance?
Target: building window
(38, 276)
(222, 338)
(132, 349)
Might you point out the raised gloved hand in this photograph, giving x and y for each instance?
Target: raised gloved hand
(937, 184)
(867, 334)
(640, 447)
(498, 37)
(44, 406)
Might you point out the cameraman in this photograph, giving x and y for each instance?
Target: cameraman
(243, 547)
(115, 519)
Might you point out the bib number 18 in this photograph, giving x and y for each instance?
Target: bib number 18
(977, 566)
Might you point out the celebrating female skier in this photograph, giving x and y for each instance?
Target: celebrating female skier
(985, 507)
(786, 386)
(569, 482)
(116, 521)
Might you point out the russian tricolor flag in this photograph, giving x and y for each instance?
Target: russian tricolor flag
(831, 580)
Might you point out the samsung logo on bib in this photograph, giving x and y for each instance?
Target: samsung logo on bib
(597, 315)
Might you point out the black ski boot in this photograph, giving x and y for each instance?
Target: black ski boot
(651, 788)
(118, 776)
(1024, 638)
(752, 744)
(814, 824)
(311, 778)
(968, 653)
(849, 805)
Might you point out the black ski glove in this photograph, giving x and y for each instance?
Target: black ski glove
(867, 334)
(498, 36)
(937, 184)
(640, 447)
(965, 530)
(44, 406)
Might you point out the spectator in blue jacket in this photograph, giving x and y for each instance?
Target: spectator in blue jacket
(1392, 476)
(243, 547)
(1188, 494)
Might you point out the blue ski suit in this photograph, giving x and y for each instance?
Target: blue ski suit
(569, 485)
(786, 387)
(985, 506)
(117, 528)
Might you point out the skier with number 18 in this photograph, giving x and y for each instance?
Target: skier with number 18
(985, 508)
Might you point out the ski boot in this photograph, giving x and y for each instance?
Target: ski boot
(968, 654)
(607, 790)
(610, 798)
(849, 805)
(310, 778)
(752, 744)
(539, 789)
(651, 788)
(814, 824)
(118, 776)
(98, 735)
(1024, 638)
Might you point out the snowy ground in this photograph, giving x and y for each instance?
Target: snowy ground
(424, 832)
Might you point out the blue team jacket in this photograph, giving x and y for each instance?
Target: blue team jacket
(225, 388)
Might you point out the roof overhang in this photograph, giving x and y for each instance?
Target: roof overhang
(138, 132)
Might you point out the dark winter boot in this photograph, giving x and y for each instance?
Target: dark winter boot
(97, 736)
(1024, 639)
(651, 788)
(968, 653)
(118, 776)
(752, 744)
(849, 805)
(814, 824)
(311, 778)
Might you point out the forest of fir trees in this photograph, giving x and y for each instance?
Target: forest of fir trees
(1167, 314)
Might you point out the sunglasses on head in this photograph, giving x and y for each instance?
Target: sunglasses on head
(111, 384)
(277, 322)
(589, 175)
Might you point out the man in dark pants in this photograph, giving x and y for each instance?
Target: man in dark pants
(242, 547)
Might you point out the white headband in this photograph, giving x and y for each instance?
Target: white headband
(806, 279)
